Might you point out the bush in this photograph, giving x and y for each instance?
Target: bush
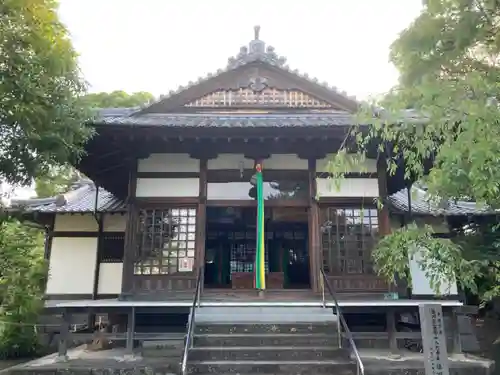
(23, 273)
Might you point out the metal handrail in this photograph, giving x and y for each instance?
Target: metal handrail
(343, 323)
(190, 331)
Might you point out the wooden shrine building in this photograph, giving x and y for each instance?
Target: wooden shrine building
(174, 192)
(165, 222)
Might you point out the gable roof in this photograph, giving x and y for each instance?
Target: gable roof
(255, 54)
(80, 199)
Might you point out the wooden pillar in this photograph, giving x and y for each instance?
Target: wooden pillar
(314, 232)
(383, 213)
(201, 216)
(384, 223)
(49, 229)
(62, 349)
(130, 331)
(130, 234)
(97, 268)
(392, 330)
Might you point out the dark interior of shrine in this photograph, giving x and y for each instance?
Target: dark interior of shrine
(231, 244)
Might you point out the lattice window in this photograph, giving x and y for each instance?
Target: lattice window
(112, 248)
(348, 237)
(267, 97)
(166, 241)
(243, 250)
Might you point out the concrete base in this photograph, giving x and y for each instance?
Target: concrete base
(116, 361)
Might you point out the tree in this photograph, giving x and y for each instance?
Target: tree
(117, 99)
(57, 180)
(448, 60)
(41, 116)
(23, 273)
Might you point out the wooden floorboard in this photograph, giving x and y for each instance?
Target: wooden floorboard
(227, 295)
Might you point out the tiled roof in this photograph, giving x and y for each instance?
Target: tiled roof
(232, 120)
(81, 199)
(421, 204)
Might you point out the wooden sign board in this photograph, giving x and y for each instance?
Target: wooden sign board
(434, 339)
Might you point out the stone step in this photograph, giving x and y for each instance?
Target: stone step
(279, 339)
(265, 314)
(339, 367)
(268, 353)
(162, 348)
(158, 353)
(290, 328)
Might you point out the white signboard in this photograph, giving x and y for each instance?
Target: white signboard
(186, 264)
(434, 339)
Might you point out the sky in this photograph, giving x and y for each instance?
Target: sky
(158, 45)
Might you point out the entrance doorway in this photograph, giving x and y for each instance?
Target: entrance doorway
(230, 248)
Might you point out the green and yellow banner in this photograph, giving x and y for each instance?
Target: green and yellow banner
(260, 273)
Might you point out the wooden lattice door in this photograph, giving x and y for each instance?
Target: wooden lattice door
(165, 250)
(348, 237)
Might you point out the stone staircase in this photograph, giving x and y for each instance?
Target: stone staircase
(267, 340)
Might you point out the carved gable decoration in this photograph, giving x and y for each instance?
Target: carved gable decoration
(266, 97)
(255, 79)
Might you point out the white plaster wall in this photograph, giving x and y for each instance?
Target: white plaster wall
(71, 265)
(420, 283)
(438, 224)
(348, 187)
(235, 191)
(369, 166)
(284, 161)
(75, 222)
(230, 161)
(232, 191)
(168, 163)
(110, 278)
(168, 187)
(276, 161)
(114, 223)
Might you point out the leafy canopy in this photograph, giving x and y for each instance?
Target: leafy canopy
(117, 99)
(448, 60)
(41, 115)
(57, 180)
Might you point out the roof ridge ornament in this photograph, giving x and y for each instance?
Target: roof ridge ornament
(256, 51)
(256, 31)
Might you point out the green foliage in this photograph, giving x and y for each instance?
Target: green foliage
(439, 258)
(448, 60)
(41, 116)
(23, 274)
(480, 241)
(57, 180)
(117, 99)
